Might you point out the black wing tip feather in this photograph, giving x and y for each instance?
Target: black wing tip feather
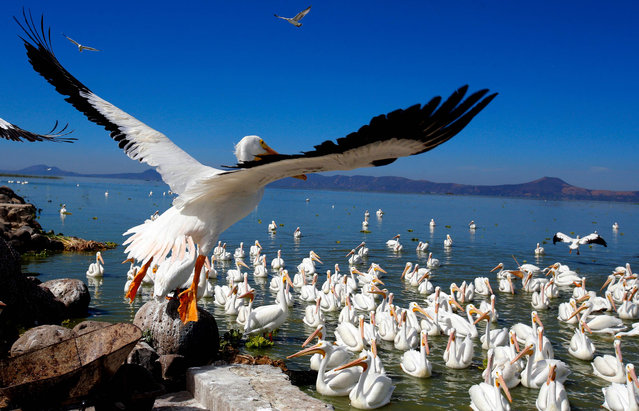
(431, 124)
(45, 63)
(15, 133)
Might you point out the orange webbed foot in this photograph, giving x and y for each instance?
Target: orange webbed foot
(137, 280)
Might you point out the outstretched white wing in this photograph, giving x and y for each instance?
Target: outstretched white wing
(139, 141)
(593, 238)
(561, 237)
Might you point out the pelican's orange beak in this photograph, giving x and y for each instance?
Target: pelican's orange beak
(128, 260)
(502, 384)
(316, 333)
(358, 361)
(419, 309)
(315, 349)
(526, 351)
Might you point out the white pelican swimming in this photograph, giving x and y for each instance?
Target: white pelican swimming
(494, 338)
(313, 316)
(602, 323)
(610, 367)
(373, 390)
(353, 257)
(339, 355)
(235, 275)
(239, 251)
(615, 226)
(308, 263)
(574, 243)
(268, 318)
(255, 249)
(244, 311)
(211, 200)
(432, 262)
(407, 336)
(472, 226)
(486, 396)
(552, 395)
(296, 20)
(379, 213)
(350, 336)
(458, 354)
(272, 227)
(278, 262)
(393, 242)
(297, 233)
(309, 292)
(482, 286)
(81, 48)
(416, 363)
(335, 383)
(432, 223)
(535, 373)
(362, 250)
(63, 208)
(96, 269)
(580, 345)
(448, 242)
(260, 270)
(539, 250)
(619, 397)
(422, 247)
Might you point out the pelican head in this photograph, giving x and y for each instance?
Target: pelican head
(252, 148)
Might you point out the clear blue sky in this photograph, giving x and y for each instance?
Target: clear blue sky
(206, 73)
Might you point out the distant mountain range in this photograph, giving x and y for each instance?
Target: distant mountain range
(44, 170)
(546, 188)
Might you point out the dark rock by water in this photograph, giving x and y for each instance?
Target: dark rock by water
(197, 341)
(29, 304)
(74, 294)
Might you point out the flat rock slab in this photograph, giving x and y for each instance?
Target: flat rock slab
(248, 387)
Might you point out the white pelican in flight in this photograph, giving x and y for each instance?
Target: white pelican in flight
(12, 132)
(593, 238)
(296, 20)
(81, 48)
(211, 200)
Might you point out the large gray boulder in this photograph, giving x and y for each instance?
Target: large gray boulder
(74, 294)
(197, 341)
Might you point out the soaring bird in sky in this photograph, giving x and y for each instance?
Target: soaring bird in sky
(211, 200)
(81, 48)
(574, 243)
(12, 132)
(296, 20)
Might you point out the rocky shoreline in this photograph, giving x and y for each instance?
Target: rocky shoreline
(19, 227)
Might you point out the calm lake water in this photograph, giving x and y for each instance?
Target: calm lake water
(331, 224)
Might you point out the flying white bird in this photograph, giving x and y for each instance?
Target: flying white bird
(593, 238)
(12, 132)
(81, 48)
(211, 200)
(296, 20)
